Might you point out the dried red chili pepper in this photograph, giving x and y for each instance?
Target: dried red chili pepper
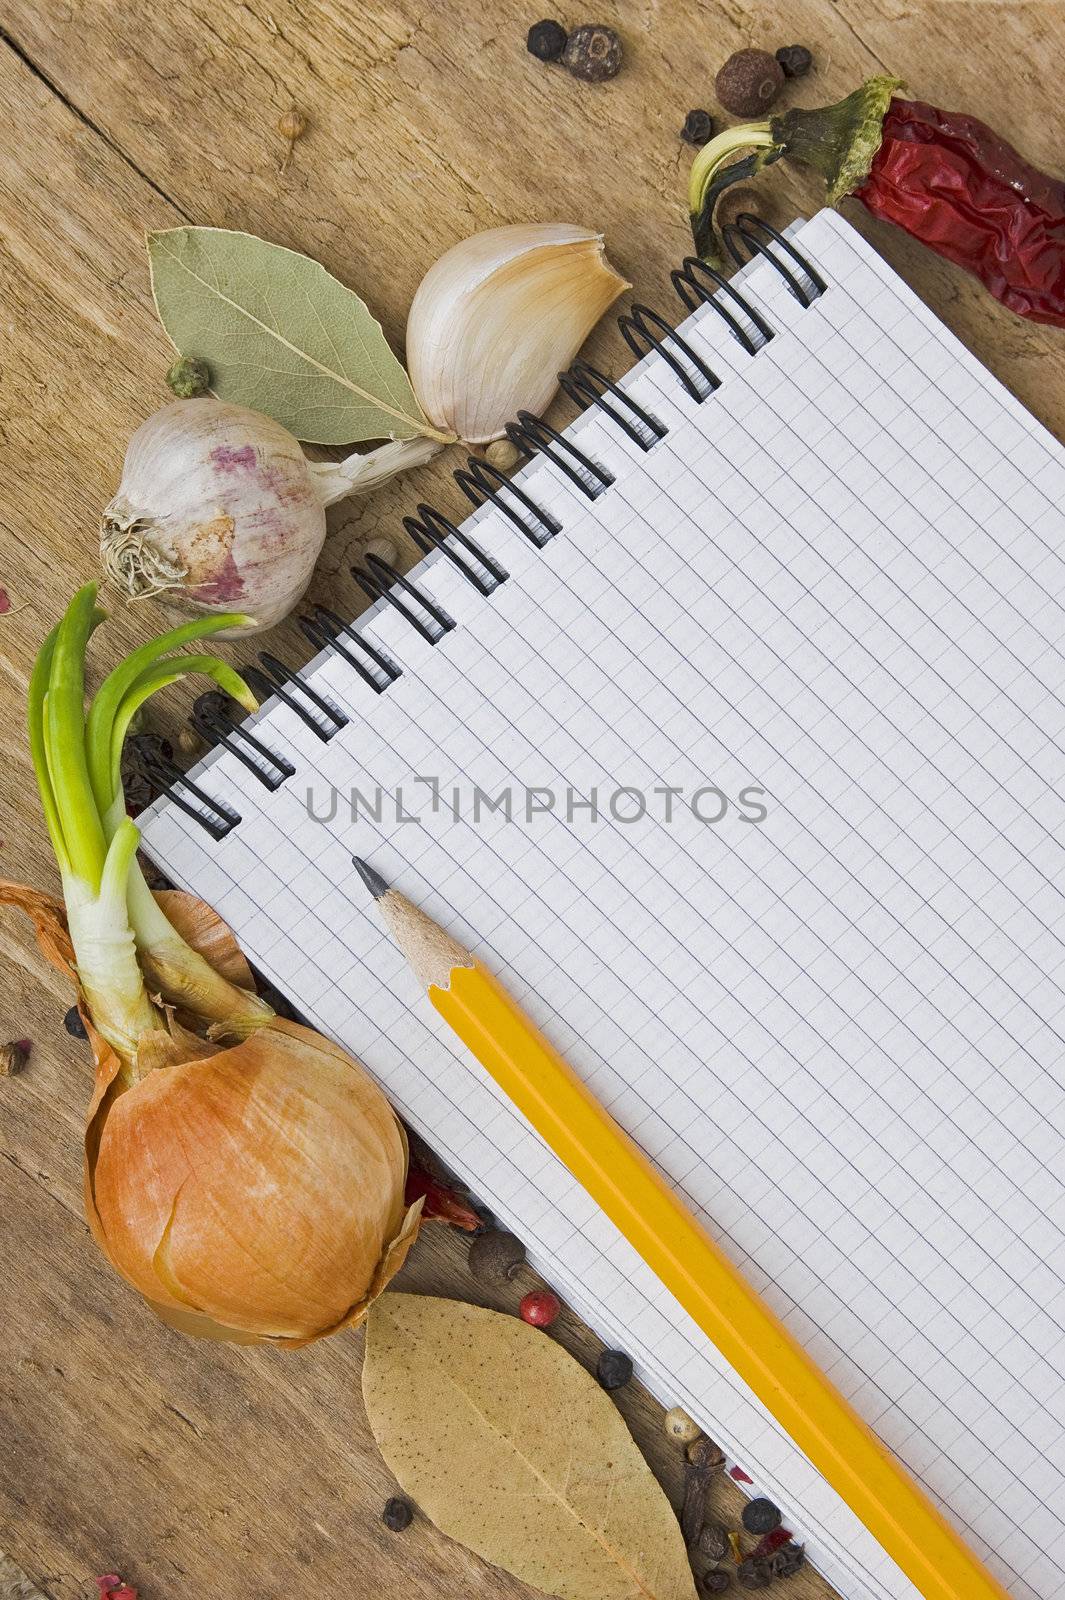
(944, 177)
(442, 1204)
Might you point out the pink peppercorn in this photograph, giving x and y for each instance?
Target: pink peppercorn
(540, 1308)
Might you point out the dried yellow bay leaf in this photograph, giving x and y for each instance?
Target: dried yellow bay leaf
(509, 1446)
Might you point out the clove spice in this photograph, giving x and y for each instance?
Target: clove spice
(704, 1459)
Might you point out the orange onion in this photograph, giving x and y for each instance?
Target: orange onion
(252, 1193)
(256, 1193)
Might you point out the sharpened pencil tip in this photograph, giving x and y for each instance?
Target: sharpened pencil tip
(373, 880)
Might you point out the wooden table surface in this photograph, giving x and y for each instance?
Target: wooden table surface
(194, 1470)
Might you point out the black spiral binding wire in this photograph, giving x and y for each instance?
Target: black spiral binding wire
(688, 281)
(696, 377)
(431, 531)
(480, 482)
(379, 580)
(756, 235)
(323, 718)
(327, 631)
(532, 434)
(214, 816)
(215, 725)
(588, 386)
(643, 330)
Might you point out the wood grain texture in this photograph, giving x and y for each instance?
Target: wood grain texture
(197, 1470)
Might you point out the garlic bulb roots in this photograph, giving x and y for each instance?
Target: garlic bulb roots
(220, 510)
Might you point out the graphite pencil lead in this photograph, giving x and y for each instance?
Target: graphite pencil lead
(372, 879)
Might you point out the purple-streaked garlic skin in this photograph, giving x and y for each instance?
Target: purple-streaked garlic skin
(218, 510)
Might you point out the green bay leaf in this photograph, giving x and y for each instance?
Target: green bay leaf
(281, 335)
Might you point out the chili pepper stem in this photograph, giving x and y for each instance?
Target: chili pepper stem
(838, 141)
(711, 173)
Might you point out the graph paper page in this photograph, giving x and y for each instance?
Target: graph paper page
(833, 591)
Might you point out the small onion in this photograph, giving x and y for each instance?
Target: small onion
(254, 1195)
(220, 510)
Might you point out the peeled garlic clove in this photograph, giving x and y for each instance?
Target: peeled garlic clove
(497, 318)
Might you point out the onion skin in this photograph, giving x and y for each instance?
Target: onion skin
(260, 1189)
(218, 510)
(252, 1194)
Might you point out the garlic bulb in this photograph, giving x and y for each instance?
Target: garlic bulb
(220, 510)
(256, 1194)
(498, 316)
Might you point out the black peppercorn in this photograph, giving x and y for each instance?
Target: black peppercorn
(593, 52)
(760, 1516)
(214, 706)
(698, 128)
(398, 1514)
(73, 1024)
(785, 1562)
(795, 60)
(495, 1256)
(716, 1581)
(140, 768)
(614, 1369)
(754, 1573)
(546, 40)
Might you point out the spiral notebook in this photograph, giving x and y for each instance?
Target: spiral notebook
(731, 733)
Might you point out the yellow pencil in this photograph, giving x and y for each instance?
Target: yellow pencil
(675, 1246)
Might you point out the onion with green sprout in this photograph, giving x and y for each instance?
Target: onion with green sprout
(251, 1190)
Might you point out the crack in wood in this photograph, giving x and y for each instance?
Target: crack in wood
(86, 121)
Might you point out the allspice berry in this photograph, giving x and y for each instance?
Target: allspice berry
(593, 52)
(749, 82)
(546, 40)
(188, 377)
(495, 1256)
(760, 1516)
(679, 1425)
